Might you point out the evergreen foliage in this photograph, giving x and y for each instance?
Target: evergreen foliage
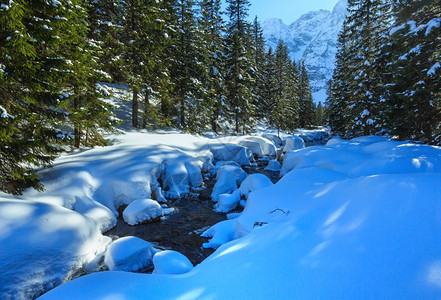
(182, 63)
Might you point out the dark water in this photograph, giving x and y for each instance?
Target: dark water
(180, 231)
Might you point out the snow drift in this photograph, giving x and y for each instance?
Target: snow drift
(356, 219)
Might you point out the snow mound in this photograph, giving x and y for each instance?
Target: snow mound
(171, 262)
(273, 165)
(230, 152)
(364, 158)
(277, 141)
(293, 143)
(42, 245)
(180, 174)
(254, 182)
(260, 146)
(129, 254)
(228, 202)
(228, 179)
(325, 231)
(220, 233)
(142, 210)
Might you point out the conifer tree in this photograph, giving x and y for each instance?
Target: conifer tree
(414, 84)
(239, 65)
(366, 24)
(188, 69)
(306, 113)
(212, 29)
(259, 69)
(338, 93)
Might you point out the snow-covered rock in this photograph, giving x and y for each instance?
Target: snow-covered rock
(42, 245)
(313, 39)
(129, 254)
(228, 202)
(220, 233)
(254, 182)
(260, 146)
(231, 152)
(277, 141)
(142, 210)
(293, 143)
(273, 165)
(228, 179)
(181, 173)
(171, 262)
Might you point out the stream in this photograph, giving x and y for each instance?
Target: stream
(194, 213)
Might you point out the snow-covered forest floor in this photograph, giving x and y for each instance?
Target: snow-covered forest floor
(354, 219)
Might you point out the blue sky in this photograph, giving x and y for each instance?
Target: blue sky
(287, 10)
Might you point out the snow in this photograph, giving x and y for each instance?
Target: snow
(229, 152)
(254, 182)
(273, 165)
(312, 38)
(171, 262)
(142, 210)
(293, 143)
(433, 69)
(40, 245)
(354, 219)
(129, 254)
(5, 113)
(227, 202)
(228, 179)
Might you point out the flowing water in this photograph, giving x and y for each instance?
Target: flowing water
(180, 231)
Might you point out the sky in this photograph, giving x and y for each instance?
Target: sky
(287, 10)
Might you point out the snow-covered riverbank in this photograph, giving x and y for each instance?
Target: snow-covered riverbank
(355, 219)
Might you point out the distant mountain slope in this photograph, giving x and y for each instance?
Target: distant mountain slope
(312, 38)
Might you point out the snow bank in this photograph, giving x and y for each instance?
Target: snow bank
(230, 152)
(171, 262)
(40, 245)
(260, 146)
(227, 202)
(273, 165)
(324, 231)
(293, 143)
(129, 254)
(142, 210)
(228, 179)
(254, 182)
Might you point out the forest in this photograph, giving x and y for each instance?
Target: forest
(187, 64)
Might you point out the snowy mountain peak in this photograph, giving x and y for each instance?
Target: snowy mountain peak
(313, 39)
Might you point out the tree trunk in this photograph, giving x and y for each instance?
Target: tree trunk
(135, 108)
(77, 124)
(146, 109)
(237, 121)
(182, 112)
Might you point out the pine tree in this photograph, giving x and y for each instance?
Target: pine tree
(366, 24)
(338, 92)
(414, 84)
(259, 63)
(269, 86)
(306, 113)
(212, 29)
(188, 70)
(240, 73)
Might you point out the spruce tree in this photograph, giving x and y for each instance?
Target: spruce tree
(188, 70)
(212, 30)
(259, 68)
(414, 84)
(338, 93)
(239, 65)
(306, 113)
